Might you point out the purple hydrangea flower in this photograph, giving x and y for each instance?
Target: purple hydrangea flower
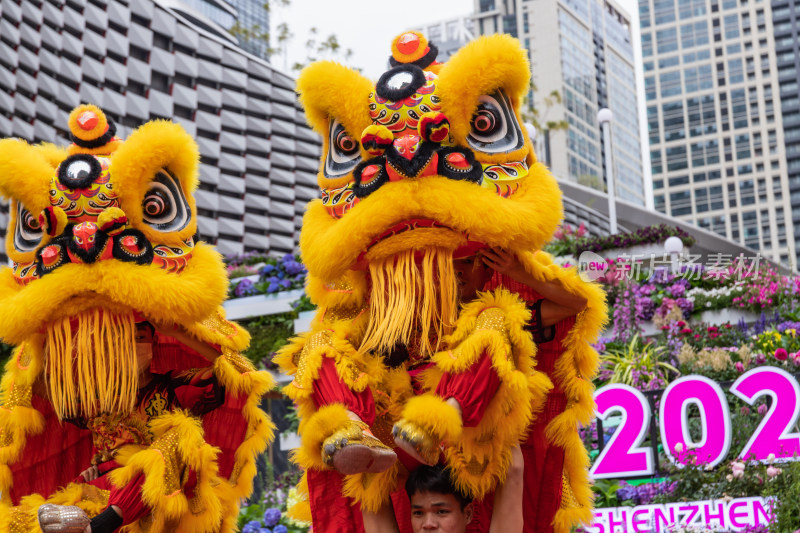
(245, 288)
(280, 528)
(254, 526)
(272, 516)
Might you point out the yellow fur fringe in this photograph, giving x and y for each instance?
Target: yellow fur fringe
(493, 324)
(179, 443)
(406, 300)
(314, 430)
(575, 369)
(434, 415)
(93, 368)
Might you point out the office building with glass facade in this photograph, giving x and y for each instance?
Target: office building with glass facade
(141, 60)
(582, 60)
(724, 117)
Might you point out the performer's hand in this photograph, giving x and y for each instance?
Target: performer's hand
(91, 473)
(505, 262)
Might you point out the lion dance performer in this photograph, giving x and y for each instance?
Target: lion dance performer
(423, 168)
(126, 401)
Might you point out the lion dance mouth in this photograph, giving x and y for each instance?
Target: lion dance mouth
(90, 362)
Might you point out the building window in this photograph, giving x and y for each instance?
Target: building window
(676, 158)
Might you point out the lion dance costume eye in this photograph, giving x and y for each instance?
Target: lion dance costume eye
(101, 239)
(442, 168)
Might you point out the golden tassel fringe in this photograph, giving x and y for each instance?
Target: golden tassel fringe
(409, 300)
(92, 368)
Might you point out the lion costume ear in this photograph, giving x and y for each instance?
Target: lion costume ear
(485, 66)
(26, 171)
(335, 96)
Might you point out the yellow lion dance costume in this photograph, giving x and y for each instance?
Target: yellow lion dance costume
(101, 238)
(425, 166)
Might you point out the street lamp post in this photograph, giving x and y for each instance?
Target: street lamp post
(604, 117)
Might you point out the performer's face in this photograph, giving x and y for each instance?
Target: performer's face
(472, 276)
(144, 345)
(432, 511)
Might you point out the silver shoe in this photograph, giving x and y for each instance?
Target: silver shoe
(62, 519)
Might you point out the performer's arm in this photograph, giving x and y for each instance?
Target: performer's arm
(178, 333)
(507, 512)
(381, 522)
(558, 303)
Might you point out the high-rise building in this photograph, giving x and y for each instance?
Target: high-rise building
(785, 30)
(718, 76)
(254, 19)
(582, 60)
(449, 35)
(143, 59)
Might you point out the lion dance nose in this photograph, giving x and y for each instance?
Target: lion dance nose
(84, 235)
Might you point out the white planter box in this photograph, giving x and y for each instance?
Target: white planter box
(280, 378)
(303, 321)
(721, 316)
(643, 252)
(289, 441)
(261, 304)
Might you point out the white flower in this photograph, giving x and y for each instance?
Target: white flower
(770, 459)
(679, 447)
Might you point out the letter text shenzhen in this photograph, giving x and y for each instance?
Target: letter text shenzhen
(733, 515)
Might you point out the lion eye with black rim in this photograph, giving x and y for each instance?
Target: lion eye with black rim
(344, 151)
(27, 231)
(494, 127)
(164, 206)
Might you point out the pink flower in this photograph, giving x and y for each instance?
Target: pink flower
(762, 409)
(761, 359)
(713, 329)
(773, 471)
(686, 330)
(697, 336)
(739, 366)
(745, 410)
(664, 328)
(796, 358)
(681, 323)
(781, 354)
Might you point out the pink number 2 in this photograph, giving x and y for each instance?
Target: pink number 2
(623, 455)
(772, 436)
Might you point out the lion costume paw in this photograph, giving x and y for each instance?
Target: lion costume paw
(62, 519)
(355, 449)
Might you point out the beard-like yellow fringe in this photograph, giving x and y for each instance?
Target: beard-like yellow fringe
(92, 368)
(411, 302)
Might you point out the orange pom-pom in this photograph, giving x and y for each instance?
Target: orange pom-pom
(409, 47)
(87, 122)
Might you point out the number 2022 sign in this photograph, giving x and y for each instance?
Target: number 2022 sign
(624, 455)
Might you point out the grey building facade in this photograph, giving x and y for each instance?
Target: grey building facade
(723, 117)
(141, 60)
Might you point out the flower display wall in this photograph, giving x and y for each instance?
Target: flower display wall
(657, 333)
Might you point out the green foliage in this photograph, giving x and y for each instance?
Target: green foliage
(268, 334)
(635, 361)
(5, 353)
(605, 493)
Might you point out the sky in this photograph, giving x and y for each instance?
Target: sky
(367, 27)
